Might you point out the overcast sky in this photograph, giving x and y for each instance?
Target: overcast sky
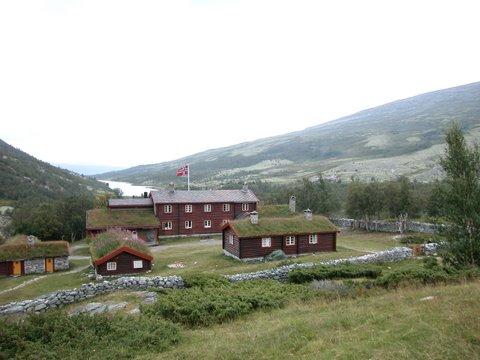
(123, 83)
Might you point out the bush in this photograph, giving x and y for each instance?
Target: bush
(55, 335)
(344, 271)
(204, 280)
(415, 276)
(276, 255)
(209, 304)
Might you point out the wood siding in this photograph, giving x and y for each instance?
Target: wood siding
(124, 265)
(4, 268)
(234, 248)
(252, 247)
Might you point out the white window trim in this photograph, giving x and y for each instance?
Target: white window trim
(188, 224)
(224, 222)
(111, 266)
(266, 242)
(226, 207)
(167, 225)
(138, 264)
(209, 222)
(313, 239)
(245, 207)
(189, 208)
(207, 207)
(290, 240)
(230, 239)
(167, 209)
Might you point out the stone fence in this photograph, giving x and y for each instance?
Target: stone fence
(60, 298)
(386, 226)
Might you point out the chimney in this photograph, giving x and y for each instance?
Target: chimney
(245, 187)
(291, 204)
(171, 188)
(308, 214)
(254, 217)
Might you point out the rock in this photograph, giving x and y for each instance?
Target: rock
(134, 311)
(115, 307)
(427, 298)
(276, 255)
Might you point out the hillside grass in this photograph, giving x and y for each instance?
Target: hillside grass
(384, 325)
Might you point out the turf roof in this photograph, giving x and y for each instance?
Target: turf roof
(282, 226)
(103, 218)
(40, 249)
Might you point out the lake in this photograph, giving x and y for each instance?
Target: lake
(127, 188)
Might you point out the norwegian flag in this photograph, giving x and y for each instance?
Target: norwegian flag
(183, 171)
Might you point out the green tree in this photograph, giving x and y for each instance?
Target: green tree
(317, 196)
(461, 199)
(400, 200)
(365, 200)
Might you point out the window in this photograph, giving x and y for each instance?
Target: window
(207, 208)
(188, 208)
(138, 264)
(244, 207)
(167, 225)
(224, 222)
(290, 240)
(207, 224)
(188, 224)
(266, 242)
(312, 239)
(226, 207)
(111, 266)
(230, 239)
(167, 209)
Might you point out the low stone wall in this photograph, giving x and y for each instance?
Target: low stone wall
(61, 263)
(35, 266)
(386, 226)
(63, 297)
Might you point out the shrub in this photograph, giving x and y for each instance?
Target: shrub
(204, 280)
(55, 335)
(415, 275)
(276, 255)
(344, 271)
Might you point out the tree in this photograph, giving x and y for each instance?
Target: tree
(461, 199)
(365, 200)
(317, 196)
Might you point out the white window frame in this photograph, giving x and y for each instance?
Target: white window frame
(188, 224)
(207, 207)
(266, 242)
(313, 239)
(226, 207)
(138, 264)
(167, 225)
(224, 222)
(230, 239)
(245, 207)
(111, 266)
(188, 208)
(290, 240)
(207, 224)
(167, 209)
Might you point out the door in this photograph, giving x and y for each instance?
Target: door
(16, 268)
(49, 265)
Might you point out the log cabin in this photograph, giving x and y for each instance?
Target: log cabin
(123, 260)
(253, 238)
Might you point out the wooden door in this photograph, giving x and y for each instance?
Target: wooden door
(49, 265)
(16, 268)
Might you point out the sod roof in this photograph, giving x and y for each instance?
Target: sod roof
(282, 226)
(42, 249)
(105, 218)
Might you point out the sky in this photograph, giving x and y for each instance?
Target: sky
(122, 83)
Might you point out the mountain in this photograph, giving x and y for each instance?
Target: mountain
(89, 169)
(404, 137)
(22, 176)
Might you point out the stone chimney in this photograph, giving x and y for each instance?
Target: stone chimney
(245, 187)
(291, 203)
(308, 214)
(171, 188)
(254, 217)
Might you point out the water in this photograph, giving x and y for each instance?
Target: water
(127, 188)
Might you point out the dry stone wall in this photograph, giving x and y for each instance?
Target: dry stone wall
(386, 226)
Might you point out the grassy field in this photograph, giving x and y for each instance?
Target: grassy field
(197, 255)
(384, 325)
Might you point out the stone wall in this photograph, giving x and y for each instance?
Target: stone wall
(61, 263)
(35, 266)
(63, 297)
(386, 226)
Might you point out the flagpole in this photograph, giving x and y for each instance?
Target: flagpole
(188, 177)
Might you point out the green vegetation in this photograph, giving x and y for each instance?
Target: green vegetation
(274, 211)
(56, 335)
(323, 272)
(281, 226)
(22, 251)
(112, 239)
(100, 218)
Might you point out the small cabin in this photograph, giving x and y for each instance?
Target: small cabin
(27, 256)
(254, 238)
(123, 260)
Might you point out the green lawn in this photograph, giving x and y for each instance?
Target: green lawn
(384, 325)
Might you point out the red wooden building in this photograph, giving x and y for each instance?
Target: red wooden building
(123, 260)
(254, 238)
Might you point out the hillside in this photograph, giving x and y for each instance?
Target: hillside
(23, 176)
(404, 137)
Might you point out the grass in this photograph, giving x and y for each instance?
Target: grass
(20, 251)
(274, 211)
(100, 218)
(385, 325)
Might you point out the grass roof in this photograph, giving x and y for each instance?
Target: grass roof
(282, 226)
(110, 240)
(104, 218)
(275, 211)
(42, 249)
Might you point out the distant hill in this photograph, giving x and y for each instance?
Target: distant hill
(404, 137)
(88, 169)
(22, 176)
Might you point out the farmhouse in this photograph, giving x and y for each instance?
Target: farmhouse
(254, 238)
(31, 256)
